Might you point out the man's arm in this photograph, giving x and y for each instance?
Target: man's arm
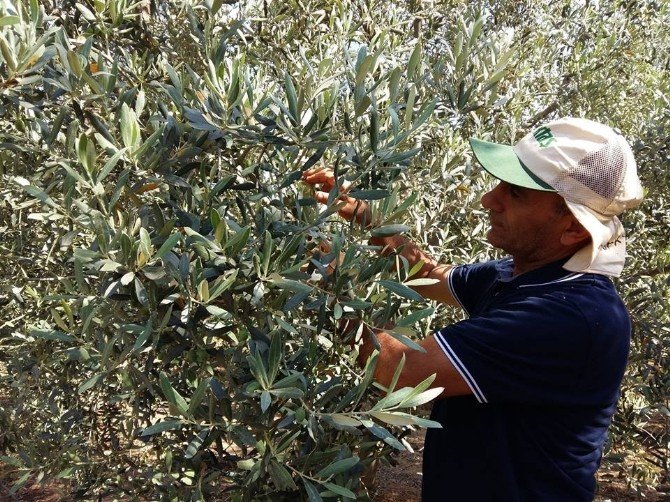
(359, 211)
(418, 365)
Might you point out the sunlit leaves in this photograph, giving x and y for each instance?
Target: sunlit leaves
(130, 128)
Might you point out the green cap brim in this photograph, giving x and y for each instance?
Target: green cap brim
(501, 162)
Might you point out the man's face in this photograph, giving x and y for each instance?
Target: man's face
(525, 223)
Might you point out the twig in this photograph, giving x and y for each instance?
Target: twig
(665, 269)
(543, 114)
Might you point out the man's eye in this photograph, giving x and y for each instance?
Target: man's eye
(514, 191)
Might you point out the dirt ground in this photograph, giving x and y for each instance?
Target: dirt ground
(400, 483)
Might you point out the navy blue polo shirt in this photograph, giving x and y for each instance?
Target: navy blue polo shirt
(544, 354)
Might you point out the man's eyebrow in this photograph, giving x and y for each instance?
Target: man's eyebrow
(516, 187)
(521, 189)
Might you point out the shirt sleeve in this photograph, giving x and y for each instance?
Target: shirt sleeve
(517, 354)
(467, 283)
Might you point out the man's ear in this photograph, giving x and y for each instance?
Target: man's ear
(574, 233)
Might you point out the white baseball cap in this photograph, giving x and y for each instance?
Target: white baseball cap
(588, 164)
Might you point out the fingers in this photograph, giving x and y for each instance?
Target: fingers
(346, 211)
(325, 177)
(319, 176)
(319, 172)
(321, 197)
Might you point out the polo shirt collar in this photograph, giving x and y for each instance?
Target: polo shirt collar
(549, 273)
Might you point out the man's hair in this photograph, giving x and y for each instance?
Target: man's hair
(561, 207)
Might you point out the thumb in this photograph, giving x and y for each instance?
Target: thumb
(321, 197)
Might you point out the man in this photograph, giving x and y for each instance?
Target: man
(531, 378)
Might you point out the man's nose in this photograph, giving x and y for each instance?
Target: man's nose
(491, 199)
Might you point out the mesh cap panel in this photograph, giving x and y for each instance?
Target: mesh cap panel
(596, 179)
(602, 170)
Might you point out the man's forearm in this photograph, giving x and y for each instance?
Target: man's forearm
(390, 354)
(418, 366)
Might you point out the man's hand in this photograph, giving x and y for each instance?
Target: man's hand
(357, 334)
(324, 180)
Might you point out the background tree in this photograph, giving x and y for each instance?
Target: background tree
(171, 308)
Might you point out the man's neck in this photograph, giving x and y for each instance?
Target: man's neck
(523, 265)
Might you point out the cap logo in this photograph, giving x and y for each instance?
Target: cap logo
(544, 136)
